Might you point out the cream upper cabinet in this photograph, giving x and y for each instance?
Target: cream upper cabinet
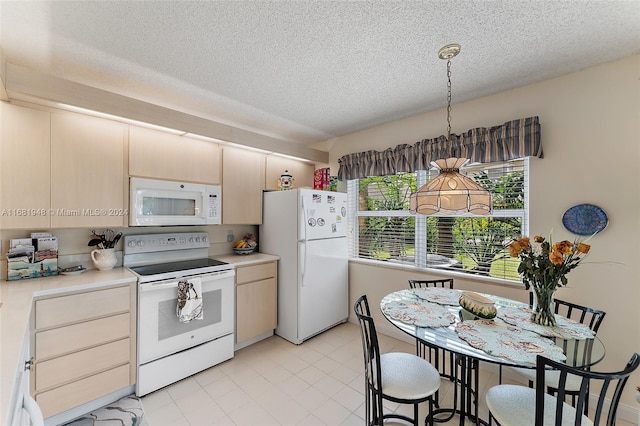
(88, 179)
(302, 172)
(161, 155)
(242, 184)
(24, 167)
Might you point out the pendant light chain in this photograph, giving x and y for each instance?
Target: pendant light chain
(450, 193)
(449, 106)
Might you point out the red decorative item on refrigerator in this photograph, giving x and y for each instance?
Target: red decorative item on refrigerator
(322, 178)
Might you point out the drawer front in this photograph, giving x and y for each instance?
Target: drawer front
(63, 340)
(82, 391)
(81, 307)
(57, 371)
(247, 274)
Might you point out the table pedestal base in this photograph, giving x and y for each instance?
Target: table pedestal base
(465, 376)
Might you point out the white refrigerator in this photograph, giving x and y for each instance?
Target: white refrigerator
(307, 229)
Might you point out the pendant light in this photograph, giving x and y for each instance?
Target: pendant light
(450, 193)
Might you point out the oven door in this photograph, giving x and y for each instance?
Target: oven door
(160, 333)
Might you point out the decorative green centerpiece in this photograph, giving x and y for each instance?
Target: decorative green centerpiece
(478, 305)
(543, 267)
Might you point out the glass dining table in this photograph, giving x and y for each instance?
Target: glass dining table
(435, 318)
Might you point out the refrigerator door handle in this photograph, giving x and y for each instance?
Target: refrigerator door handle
(303, 261)
(304, 220)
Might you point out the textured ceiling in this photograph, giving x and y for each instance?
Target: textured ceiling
(307, 71)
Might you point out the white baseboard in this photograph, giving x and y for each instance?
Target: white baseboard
(625, 411)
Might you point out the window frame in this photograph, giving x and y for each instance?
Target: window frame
(420, 226)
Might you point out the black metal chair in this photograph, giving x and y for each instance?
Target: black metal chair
(512, 405)
(399, 377)
(443, 283)
(583, 314)
(443, 360)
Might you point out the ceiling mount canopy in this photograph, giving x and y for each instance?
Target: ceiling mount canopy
(450, 193)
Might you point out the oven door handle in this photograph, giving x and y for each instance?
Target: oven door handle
(155, 287)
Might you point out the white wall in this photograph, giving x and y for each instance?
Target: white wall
(590, 124)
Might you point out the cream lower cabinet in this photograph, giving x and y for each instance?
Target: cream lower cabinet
(256, 301)
(84, 347)
(24, 410)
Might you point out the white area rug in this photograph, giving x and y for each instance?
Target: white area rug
(127, 411)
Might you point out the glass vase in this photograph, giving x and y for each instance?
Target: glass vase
(543, 306)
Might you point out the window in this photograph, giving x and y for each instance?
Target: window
(384, 229)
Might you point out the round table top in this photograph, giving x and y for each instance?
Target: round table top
(489, 337)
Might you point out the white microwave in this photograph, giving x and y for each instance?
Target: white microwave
(166, 203)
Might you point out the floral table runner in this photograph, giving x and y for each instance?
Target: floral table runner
(503, 340)
(565, 328)
(442, 296)
(420, 313)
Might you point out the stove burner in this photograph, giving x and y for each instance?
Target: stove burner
(184, 265)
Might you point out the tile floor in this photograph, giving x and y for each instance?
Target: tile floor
(274, 382)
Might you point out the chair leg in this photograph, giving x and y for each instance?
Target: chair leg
(415, 414)
(428, 421)
(367, 405)
(586, 402)
(378, 418)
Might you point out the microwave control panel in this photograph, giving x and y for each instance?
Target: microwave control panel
(214, 201)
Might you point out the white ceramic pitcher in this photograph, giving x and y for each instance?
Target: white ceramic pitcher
(104, 259)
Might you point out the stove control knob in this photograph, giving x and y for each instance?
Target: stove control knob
(197, 239)
(141, 243)
(204, 239)
(191, 240)
(131, 243)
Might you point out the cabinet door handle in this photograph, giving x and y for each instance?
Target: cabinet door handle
(28, 363)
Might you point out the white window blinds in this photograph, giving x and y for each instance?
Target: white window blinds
(384, 230)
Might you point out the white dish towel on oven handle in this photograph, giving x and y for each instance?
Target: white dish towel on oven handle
(189, 300)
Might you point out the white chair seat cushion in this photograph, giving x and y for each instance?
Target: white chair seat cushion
(407, 376)
(513, 405)
(551, 378)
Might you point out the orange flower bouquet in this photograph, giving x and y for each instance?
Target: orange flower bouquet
(543, 267)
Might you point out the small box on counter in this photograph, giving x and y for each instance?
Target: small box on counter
(32, 257)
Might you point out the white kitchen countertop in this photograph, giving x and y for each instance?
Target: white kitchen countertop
(246, 259)
(17, 298)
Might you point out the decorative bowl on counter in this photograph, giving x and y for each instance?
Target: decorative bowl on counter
(247, 250)
(477, 305)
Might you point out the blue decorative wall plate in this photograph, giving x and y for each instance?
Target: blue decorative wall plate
(585, 219)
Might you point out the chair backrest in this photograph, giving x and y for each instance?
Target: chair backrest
(370, 347)
(588, 316)
(431, 283)
(583, 314)
(611, 388)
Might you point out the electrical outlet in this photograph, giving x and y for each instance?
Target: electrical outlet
(230, 237)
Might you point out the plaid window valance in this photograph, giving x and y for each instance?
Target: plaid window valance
(511, 140)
